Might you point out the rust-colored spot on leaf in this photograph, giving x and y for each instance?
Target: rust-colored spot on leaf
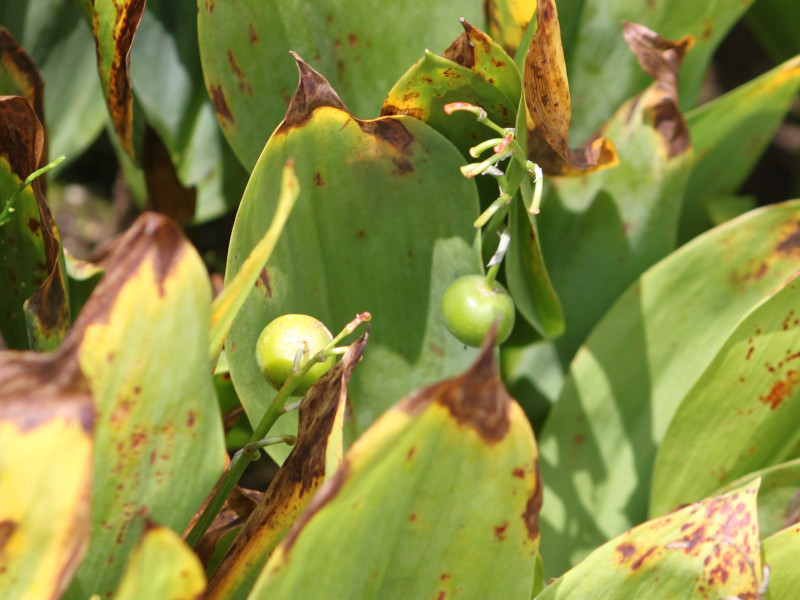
(626, 550)
(534, 506)
(548, 103)
(417, 113)
(477, 399)
(500, 531)
(313, 92)
(263, 279)
(781, 390)
(7, 529)
(251, 31)
(318, 180)
(244, 85)
(220, 104)
(518, 473)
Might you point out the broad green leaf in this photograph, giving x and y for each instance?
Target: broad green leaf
(383, 224)
(439, 498)
(114, 24)
(627, 381)
(599, 232)
(729, 135)
(741, 413)
(35, 311)
(161, 566)
(62, 46)
(780, 555)
(142, 341)
(46, 416)
(364, 47)
(774, 24)
(704, 550)
(777, 496)
(603, 74)
(315, 457)
(175, 103)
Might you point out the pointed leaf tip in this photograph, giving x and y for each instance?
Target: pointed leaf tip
(476, 399)
(313, 91)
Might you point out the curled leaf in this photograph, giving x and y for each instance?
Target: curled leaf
(548, 103)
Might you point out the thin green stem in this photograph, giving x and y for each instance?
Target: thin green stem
(5, 216)
(491, 274)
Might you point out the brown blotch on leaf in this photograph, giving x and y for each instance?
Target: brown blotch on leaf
(780, 390)
(626, 551)
(7, 529)
(220, 104)
(548, 103)
(791, 243)
(118, 93)
(661, 59)
(394, 133)
(417, 113)
(500, 531)
(263, 278)
(244, 85)
(251, 31)
(292, 489)
(477, 399)
(37, 387)
(313, 92)
(534, 506)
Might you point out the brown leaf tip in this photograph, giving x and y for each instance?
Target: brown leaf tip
(313, 91)
(477, 399)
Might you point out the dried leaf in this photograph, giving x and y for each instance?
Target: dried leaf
(548, 103)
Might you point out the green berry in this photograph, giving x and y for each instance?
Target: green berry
(470, 307)
(277, 346)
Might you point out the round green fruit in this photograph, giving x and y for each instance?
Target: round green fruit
(470, 307)
(277, 346)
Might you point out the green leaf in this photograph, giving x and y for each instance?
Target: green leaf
(316, 457)
(363, 47)
(439, 498)
(627, 381)
(729, 135)
(46, 415)
(142, 341)
(740, 414)
(508, 20)
(603, 74)
(383, 224)
(780, 554)
(773, 23)
(161, 566)
(704, 550)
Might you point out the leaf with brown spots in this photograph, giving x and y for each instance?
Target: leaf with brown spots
(449, 472)
(46, 424)
(142, 342)
(335, 258)
(114, 24)
(548, 103)
(315, 458)
(472, 69)
(636, 367)
(19, 76)
(741, 414)
(36, 311)
(706, 550)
